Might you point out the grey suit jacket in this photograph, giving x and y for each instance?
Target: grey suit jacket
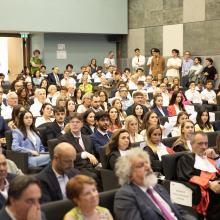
(132, 203)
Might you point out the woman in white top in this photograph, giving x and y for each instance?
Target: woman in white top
(131, 124)
(46, 115)
(52, 95)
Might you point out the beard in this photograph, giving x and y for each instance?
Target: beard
(150, 180)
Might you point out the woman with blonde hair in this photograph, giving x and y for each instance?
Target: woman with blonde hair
(131, 124)
(82, 191)
(155, 148)
(183, 142)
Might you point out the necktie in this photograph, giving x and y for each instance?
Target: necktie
(163, 209)
(77, 141)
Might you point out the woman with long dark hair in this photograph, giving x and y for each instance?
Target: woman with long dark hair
(176, 104)
(118, 145)
(115, 122)
(202, 121)
(89, 126)
(118, 105)
(26, 139)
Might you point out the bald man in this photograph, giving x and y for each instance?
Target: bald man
(54, 177)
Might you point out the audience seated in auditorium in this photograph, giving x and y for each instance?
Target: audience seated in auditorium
(55, 77)
(155, 148)
(89, 125)
(3, 128)
(101, 136)
(118, 146)
(183, 142)
(140, 197)
(176, 104)
(158, 106)
(138, 112)
(202, 121)
(52, 94)
(5, 179)
(114, 119)
(57, 127)
(85, 159)
(67, 79)
(96, 103)
(37, 78)
(23, 98)
(70, 108)
(85, 87)
(118, 105)
(46, 115)
(103, 100)
(181, 117)
(109, 60)
(196, 168)
(208, 94)
(192, 94)
(86, 103)
(26, 139)
(39, 100)
(23, 200)
(54, 177)
(82, 191)
(7, 108)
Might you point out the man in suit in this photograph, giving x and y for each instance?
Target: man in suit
(101, 136)
(54, 177)
(54, 78)
(140, 197)
(85, 160)
(23, 200)
(138, 98)
(5, 179)
(56, 128)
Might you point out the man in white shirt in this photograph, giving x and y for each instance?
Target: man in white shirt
(39, 100)
(208, 94)
(67, 79)
(12, 101)
(110, 60)
(192, 94)
(173, 66)
(138, 60)
(97, 76)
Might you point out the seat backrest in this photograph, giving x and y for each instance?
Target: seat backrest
(169, 164)
(51, 145)
(212, 138)
(168, 142)
(9, 138)
(57, 210)
(103, 157)
(43, 135)
(218, 100)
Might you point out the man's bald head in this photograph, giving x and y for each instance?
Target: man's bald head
(63, 158)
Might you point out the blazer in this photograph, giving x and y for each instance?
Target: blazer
(159, 114)
(9, 178)
(69, 138)
(99, 140)
(171, 110)
(25, 145)
(86, 130)
(49, 184)
(51, 79)
(132, 203)
(3, 127)
(4, 215)
(112, 158)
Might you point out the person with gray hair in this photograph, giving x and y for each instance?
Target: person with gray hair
(12, 101)
(86, 103)
(140, 197)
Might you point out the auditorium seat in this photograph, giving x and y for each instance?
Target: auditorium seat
(168, 142)
(57, 210)
(51, 145)
(20, 158)
(212, 138)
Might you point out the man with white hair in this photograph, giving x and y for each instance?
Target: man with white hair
(140, 197)
(40, 98)
(12, 101)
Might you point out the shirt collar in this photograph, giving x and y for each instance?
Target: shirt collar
(11, 215)
(103, 133)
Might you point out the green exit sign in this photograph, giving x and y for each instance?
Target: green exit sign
(24, 35)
